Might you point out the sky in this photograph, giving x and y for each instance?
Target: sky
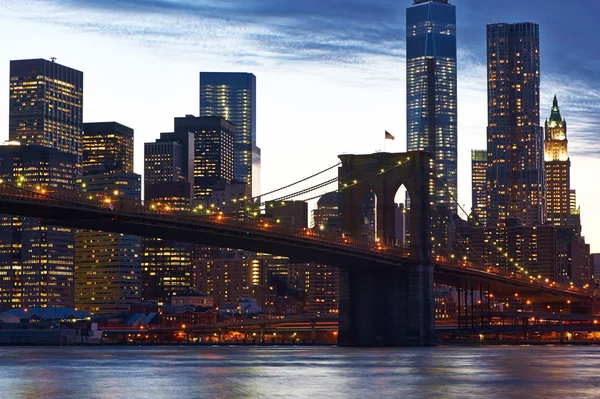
(330, 73)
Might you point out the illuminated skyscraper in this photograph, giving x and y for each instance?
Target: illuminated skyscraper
(478, 186)
(46, 105)
(108, 265)
(431, 90)
(558, 165)
(36, 259)
(167, 267)
(168, 170)
(213, 152)
(515, 175)
(107, 148)
(233, 97)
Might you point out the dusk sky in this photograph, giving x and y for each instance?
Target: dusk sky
(330, 73)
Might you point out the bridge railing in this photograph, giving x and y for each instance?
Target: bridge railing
(131, 207)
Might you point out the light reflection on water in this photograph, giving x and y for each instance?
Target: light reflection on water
(286, 372)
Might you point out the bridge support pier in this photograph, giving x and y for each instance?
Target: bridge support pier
(387, 307)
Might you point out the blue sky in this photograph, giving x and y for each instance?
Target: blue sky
(330, 73)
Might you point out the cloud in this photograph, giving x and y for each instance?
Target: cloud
(336, 31)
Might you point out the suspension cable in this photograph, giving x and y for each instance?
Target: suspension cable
(323, 184)
(299, 181)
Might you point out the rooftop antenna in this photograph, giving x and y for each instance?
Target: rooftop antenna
(52, 59)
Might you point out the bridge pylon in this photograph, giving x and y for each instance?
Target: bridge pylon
(388, 306)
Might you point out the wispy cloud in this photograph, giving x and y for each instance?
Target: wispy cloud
(338, 31)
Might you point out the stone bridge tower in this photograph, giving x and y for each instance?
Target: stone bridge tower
(388, 306)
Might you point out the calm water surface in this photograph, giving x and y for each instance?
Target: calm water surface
(316, 372)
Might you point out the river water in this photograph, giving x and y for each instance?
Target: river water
(304, 372)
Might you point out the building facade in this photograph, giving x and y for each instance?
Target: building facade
(318, 285)
(167, 266)
(557, 169)
(167, 162)
(108, 265)
(232, 95)
(107, 148)
(228, 280)
(478, 187)
(213, 152)
(36, 259)
(515, 175)
(431, 102)
(46, 105)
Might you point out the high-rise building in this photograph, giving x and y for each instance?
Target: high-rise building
(232, 95)
(107, 148)
(36, 259)
(108, 265)
(167, 267)
(46, 105)
(213, 152)
(557, 168)
(431, 105)
(478, 186)
(166, 165)
(107, 272)
(515, 175)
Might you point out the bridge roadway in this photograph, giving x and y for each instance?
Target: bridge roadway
(85, 211)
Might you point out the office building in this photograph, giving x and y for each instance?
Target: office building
(36, 259)
(318, 285)
(431, 105)
(46, 105)
(108, 265)
(167, 269)
(166, 165)
(107, 148)
(107, 272)
(233, 96)
(213, 160)
(228, 280)
(557, 168)
(515, 175)
(167, 266)
(478, 187)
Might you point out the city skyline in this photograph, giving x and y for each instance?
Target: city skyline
(337, 94)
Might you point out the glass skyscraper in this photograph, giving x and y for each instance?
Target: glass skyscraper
(232, 95)
(515, 139)
(431, 90)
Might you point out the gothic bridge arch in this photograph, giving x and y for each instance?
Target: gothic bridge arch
(384, 174)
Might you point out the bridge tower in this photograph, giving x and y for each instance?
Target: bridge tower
(388, 306)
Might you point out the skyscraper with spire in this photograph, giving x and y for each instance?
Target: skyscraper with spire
(558, 165)
(431, 90)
